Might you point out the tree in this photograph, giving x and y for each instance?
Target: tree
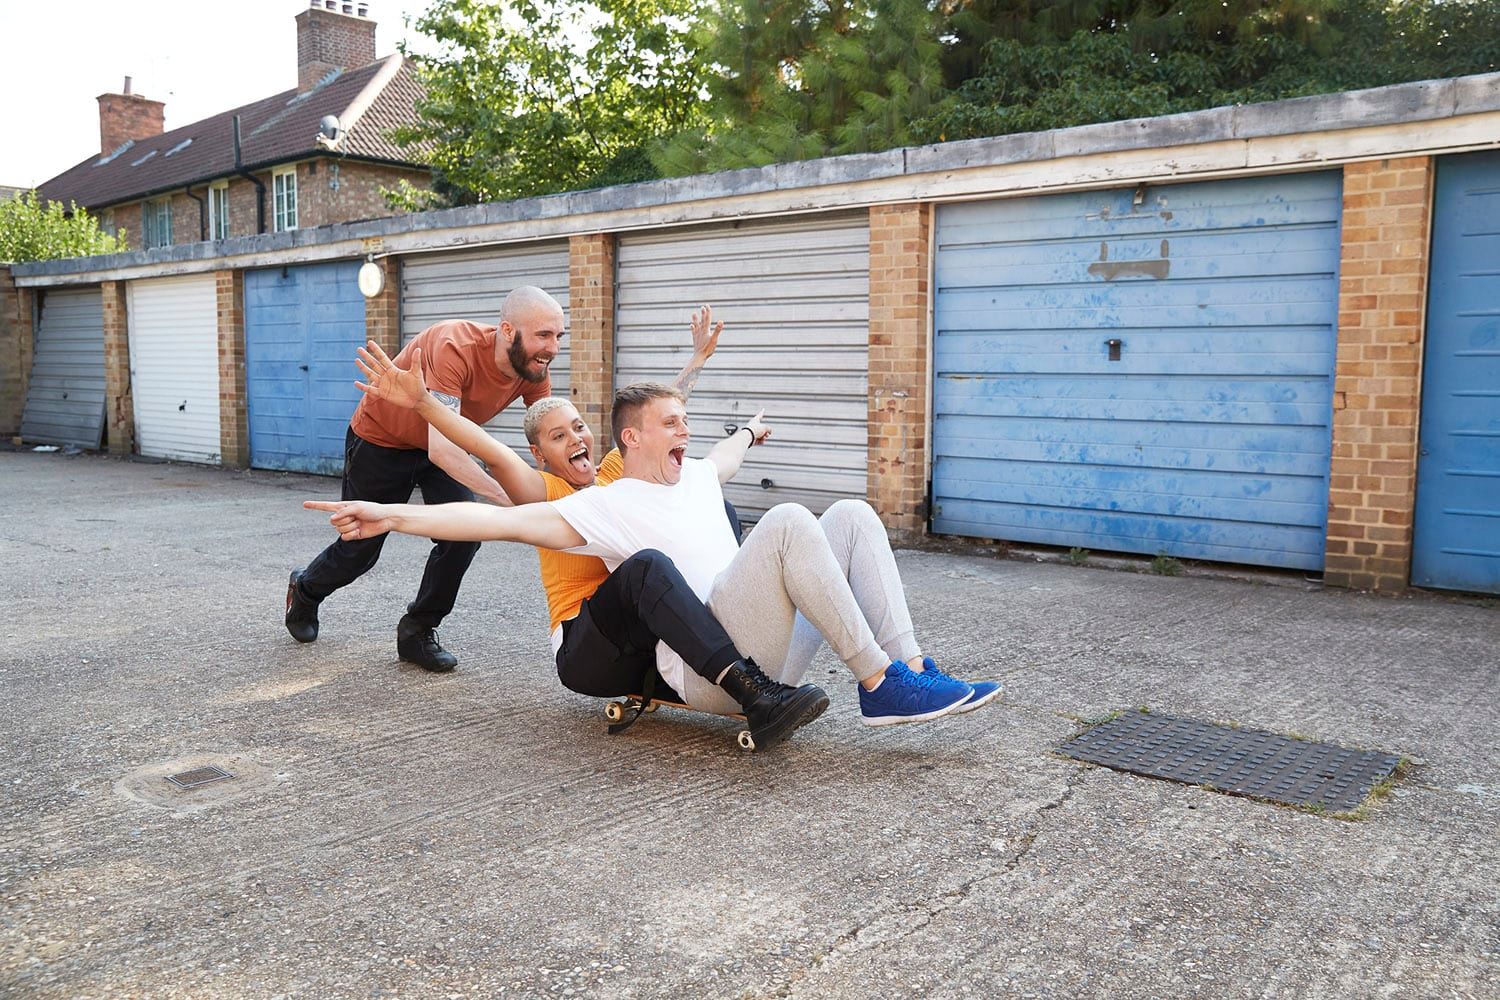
(33, 230)
(549, 95)
(1081, 61)
(801, 78)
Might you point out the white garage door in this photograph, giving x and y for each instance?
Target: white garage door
(795, 300)
(174, 367)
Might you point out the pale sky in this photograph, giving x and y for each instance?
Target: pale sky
(200, 58)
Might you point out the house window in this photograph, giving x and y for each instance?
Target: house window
(284, 185)
(156, 223)
(218, 211)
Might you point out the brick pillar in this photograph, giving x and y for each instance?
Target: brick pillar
(383, 312)
(234, 426)
(119, 409)
(13, 374)
(591, 330)
(1378, 381)
(898, 394)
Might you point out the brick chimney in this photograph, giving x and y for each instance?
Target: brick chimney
(333, 34)
(127, 116)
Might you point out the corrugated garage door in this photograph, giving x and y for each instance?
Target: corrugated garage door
(794, 297)
(174, 367)
(65, 396)
(471, 285)
(1457, 540)
(303, 326)
(1142, 370)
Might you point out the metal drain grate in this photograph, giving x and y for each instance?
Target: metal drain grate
(1240, 761)
(198, 776)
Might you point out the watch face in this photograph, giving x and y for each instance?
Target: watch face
(371, 280)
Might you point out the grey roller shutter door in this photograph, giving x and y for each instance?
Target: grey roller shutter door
(794, 297)
(65, 396)
(471, 285)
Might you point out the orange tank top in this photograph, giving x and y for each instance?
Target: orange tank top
(571, 579)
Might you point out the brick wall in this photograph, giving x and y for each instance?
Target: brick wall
(186, 222)
(357, 197)
(15, 350)
(119, 410)
(591, 330)
(383, 312)
(123, 117)
(1377, 384)
(330, 190)
(234, 428)
(897, 457)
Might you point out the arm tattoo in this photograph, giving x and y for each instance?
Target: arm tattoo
(451, 402)
(687, 378)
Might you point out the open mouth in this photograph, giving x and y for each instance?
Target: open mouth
(580, 462)
(675, 456)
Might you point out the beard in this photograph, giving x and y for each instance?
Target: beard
(521, 364)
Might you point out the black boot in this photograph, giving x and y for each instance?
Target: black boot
(301, 614)
(417, 643)
(772, 709)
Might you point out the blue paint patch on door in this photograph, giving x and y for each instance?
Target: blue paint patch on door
(1456, 542)
(302, 327)
(1140, 370)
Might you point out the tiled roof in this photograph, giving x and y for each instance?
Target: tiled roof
(273, 130)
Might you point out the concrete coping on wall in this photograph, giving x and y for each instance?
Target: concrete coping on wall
(1426, 100)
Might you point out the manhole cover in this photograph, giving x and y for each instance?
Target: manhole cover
(198, 776)
(1241, 761)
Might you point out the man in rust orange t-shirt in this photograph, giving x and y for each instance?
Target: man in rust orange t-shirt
(473, 369)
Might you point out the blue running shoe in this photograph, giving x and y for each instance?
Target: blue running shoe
(984, 691)
(907, 696)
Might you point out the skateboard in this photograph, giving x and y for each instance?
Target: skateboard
(616, 711)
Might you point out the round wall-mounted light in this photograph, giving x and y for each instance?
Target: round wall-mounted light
(371, 279)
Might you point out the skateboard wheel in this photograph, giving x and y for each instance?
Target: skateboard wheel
(614, 711)
(653, 706)
(746, 741)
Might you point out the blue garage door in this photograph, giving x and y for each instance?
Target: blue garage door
(1457, 539)
(1140, 370)
(302, 326)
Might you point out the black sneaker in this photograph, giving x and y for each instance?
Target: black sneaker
(301, 614)
(772, 710)
(419, 644)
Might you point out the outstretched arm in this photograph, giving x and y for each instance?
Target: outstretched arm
(705, 339)
(408, 388)
(535, 524)
(730, 452)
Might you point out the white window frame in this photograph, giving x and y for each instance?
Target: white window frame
(218, 210)
(157, 232)
(284, 198)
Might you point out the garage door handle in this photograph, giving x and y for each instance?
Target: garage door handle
(303, 367)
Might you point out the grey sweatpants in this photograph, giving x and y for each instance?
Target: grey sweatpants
(799, 580)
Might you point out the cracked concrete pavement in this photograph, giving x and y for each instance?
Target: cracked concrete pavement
(394, 833)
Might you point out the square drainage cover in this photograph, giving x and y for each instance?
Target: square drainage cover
(198, 777)
(1249, 762)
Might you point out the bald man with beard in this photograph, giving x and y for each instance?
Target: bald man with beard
(473, 369)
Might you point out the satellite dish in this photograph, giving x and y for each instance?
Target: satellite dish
(371, 279)
(329, 126)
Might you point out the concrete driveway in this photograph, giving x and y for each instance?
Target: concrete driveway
(394, 833)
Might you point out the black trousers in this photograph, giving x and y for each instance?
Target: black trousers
(389, 475)
(610, 647)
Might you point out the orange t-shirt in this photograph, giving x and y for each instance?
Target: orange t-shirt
(571, 579)
(458, 358)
